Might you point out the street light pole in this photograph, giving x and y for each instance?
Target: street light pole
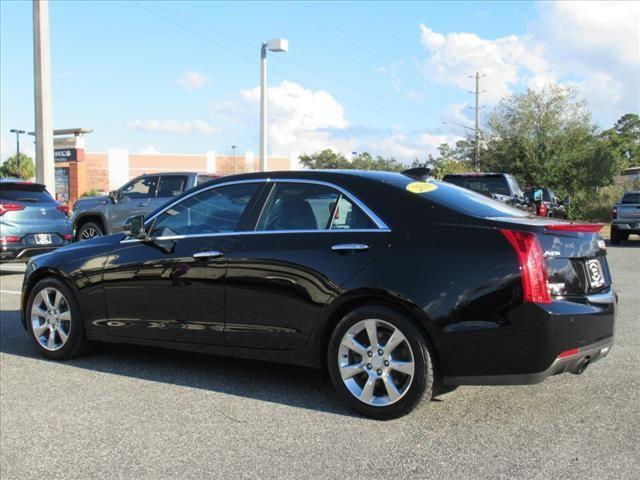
(233, 159)
(274, 45)
(45, 170)
(17, 132)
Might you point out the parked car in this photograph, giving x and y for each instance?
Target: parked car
(31, 221)
(103, 215)
(396, 286)
(625, 217)
(545, 202)
(501, 186)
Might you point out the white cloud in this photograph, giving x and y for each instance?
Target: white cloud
(455, 57)
(414, 95)
(395, 74)
(298, 117)
(173, 126)
(192, 81)
(149, 150)
(594, 45)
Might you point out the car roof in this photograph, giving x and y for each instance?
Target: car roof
(19, 180)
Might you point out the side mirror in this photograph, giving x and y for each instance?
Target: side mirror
(113, 196)
(134, 227)
(567, 201)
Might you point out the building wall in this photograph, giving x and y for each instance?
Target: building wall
(110, 170)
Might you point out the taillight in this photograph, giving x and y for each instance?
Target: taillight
(11, 239)
(532, 265)
(574, 227)
(10, 207)
(614, 213)
(542, 210)
(63, 208)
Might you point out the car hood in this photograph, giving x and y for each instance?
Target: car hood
(90, 202)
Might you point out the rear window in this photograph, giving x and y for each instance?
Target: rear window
(631, 198)
(482, 184)
(24, 192)
(171, 185)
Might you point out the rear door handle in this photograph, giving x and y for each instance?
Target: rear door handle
(209, 254)
(344, 247)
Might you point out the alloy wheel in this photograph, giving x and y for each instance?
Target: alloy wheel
(51, 319)
(376, 362)
(89, 232)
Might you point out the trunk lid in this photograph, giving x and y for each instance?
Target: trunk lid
(574, 255)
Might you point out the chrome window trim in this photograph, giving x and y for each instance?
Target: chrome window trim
(256, 232)
(381, 226)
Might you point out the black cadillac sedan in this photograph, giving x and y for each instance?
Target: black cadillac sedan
(394, 284)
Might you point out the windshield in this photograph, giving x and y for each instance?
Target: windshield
(25, 192)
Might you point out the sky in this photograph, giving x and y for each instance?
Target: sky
(388, 78)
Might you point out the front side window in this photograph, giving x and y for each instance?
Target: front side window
(299, 206)
(171, 185)
(217, 210)
(142, 188)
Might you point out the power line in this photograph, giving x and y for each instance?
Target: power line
(255, 61)
(295, 64)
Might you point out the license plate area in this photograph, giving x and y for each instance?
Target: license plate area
(43, 239)
(594, 273)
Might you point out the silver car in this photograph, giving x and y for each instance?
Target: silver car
(31, 221)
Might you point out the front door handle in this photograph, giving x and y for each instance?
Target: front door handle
(210, 254)
(344, 247)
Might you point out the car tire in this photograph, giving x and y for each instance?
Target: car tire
(88, 231)
(57, 336)
(615, 236)
(383, 385)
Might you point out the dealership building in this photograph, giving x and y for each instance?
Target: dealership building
(78, 171)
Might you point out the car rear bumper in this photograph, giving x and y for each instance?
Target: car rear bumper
(630, 227)
(22, 253)
(541, 340)
(575, 363)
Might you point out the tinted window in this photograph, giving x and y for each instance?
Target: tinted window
(482, 184)
(25, 192)
(293, 206)
(171, 185)
(538, 194)
(141, 188)
(204, 178)
(631, 198)
(217, 210)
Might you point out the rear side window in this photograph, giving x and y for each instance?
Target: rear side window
(631, 198)
(299, 206)
(25, 192)
(217, 210)
(171, 185)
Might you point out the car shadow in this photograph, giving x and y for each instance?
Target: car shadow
(284, 384)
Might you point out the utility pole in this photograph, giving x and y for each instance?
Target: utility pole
(273, 45)
(45, 171)
(17, 132)
(477, 109)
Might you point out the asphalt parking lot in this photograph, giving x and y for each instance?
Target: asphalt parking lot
(134, 413)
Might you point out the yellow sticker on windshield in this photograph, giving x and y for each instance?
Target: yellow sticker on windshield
(421, 187)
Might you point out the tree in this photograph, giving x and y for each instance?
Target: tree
(548, 138)
(18, 166)
(328, 159)
(624, 140)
